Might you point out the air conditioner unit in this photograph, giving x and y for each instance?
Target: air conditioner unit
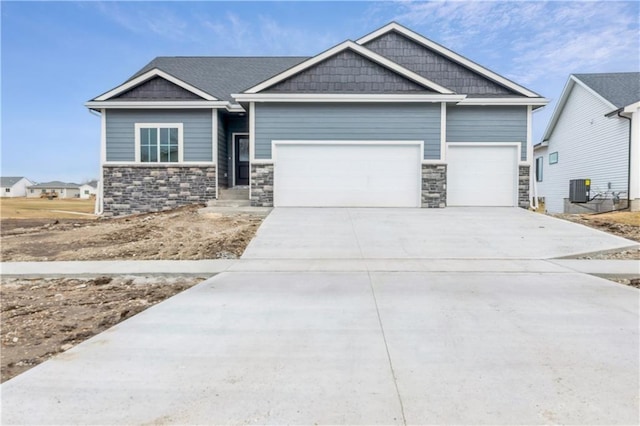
(579, 190)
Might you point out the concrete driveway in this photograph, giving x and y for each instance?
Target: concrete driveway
(451, 233)
(362, 341)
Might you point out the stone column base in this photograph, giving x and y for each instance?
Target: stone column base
(434, 185)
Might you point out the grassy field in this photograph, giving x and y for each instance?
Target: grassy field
(42, 208)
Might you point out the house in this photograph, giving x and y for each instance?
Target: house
(593, 134)
(61, 189)
(14, 186)
(88, 189)
(391, 119)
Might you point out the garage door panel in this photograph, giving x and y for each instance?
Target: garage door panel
(482, 175)
(347, 175)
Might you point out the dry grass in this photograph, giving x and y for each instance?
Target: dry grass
(626, 218)
(42, 208)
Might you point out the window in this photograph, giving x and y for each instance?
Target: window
(86, 192)
(158, 143)
(7, 190)
(539, 163)
(553, 157)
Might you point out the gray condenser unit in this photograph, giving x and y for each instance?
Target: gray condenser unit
(579, 190)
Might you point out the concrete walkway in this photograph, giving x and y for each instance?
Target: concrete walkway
(386, 333)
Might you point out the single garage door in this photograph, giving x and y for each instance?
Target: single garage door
(347, 174)
(482, 175)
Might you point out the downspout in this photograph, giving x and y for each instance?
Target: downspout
(628, 164)
(98, 208)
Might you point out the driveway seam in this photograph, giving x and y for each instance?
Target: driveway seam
(384, 337)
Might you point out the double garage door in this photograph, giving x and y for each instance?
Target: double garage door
(388, 174)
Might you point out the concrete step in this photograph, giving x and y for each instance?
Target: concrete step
(228, 203)
(235, 193)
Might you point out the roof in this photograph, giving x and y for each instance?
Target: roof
(616, 90)
(619, 88)
(56, 184)
(7, 181)
(220, 76)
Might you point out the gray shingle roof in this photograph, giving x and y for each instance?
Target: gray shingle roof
(221, 76)
(8, 181)
(55, 184)
(619, 88)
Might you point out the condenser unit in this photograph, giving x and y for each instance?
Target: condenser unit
(579, 190)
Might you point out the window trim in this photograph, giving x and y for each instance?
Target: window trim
(140, 126)
(540, 164)
(553, 157)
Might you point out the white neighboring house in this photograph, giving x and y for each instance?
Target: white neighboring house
(88, 189)
(14, 186)
(63, 189)
(594, 133)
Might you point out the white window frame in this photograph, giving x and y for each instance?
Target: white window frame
(140, 126)
(553, 158)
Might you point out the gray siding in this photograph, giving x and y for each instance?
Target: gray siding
(347, 72)
(488, 124)
(223, 151)
(157, 89)
(196, 123)
(434, 66)
(348, 122)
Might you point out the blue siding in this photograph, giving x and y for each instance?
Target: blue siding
(488, 124)
(196, 124)
(356, 121)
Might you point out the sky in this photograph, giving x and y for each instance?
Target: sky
(55, 56)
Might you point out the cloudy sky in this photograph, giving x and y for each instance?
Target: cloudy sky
(57, 55)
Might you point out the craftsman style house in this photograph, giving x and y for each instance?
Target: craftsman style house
(392, 119)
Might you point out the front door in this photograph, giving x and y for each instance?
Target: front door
(241, 149)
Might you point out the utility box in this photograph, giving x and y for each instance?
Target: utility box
(579, 190)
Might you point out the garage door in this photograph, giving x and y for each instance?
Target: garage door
(347, 174)
(482, 175)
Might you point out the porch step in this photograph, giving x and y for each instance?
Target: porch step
(229, 203)
(235, 193)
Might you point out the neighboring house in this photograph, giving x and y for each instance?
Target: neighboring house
(594, 134)
(14, 186)
(62, 189)
(89, 189)
(392, 119)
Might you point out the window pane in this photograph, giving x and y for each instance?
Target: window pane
(164, 136)
(243, 148)
(153, 154)
(144, 153)
(173, 136)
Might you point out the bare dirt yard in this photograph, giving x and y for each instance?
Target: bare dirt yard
(43, 317)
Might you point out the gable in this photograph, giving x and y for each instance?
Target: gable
(347, 72)
(157, 89)
(434, 66)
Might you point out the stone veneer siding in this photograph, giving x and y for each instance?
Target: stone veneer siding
(144, 188)
(262, 185)
(434, 185)
(523, 187)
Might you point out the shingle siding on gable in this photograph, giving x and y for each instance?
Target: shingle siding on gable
(348, 122)
(120, 132)
(589, 146)
(157, 89)
(347, 72)
(488, 124)
(434, 66)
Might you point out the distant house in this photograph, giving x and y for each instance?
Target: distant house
(594, 134)
(14, 186)
(62, 189)
(88, 189)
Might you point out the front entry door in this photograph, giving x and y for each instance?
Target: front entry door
(241, 144)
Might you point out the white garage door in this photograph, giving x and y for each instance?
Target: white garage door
(347, 174)
(482, 175)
